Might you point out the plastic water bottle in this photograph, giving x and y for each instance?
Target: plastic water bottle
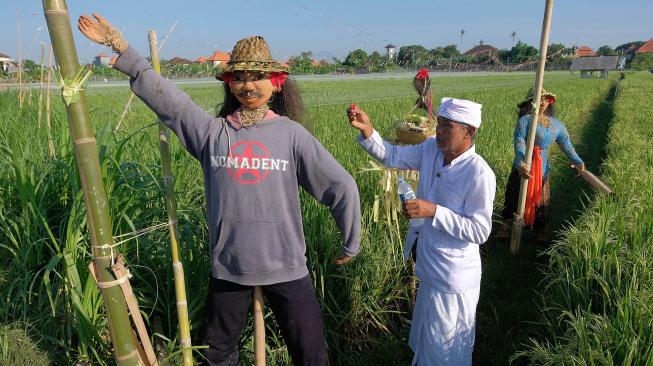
(406, 193)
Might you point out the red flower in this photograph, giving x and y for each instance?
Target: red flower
(422, 74)
(226, 77)
(278, 78)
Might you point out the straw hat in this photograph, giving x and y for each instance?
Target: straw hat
(253, 54)
(531, 94)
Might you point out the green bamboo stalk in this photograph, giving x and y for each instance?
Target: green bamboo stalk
(90, 174)
(171, 207)
(518, 223)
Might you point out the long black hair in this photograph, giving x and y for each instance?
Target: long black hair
(286, 102)
(527, 108)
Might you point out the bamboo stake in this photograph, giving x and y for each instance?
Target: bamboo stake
(47, 106)
(131, 94)
(259, 328)
(20, 62)
(518, 223)
(41, 86)
(95, 197)
(171, 206)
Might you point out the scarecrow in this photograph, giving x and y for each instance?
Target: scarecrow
(254, 156)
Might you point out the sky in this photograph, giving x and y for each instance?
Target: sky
(332, 28)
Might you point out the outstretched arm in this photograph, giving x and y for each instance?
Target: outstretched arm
(402, 157)
(174, 107)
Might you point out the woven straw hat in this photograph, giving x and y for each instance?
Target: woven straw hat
(531, 94)
(253, 54)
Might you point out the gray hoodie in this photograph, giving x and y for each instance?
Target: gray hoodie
(254, 213)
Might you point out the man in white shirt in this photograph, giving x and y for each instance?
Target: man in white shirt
(454, 194)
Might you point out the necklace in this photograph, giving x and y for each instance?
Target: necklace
(250, 117)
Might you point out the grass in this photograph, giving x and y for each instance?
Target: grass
(44, 248)
(597, 294)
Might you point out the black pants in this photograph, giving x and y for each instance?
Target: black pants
(295, 309)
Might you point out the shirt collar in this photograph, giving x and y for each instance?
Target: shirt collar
(464, 156)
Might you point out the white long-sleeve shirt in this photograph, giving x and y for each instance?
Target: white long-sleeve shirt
(448, 245)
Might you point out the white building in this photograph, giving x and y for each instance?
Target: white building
(391, 51)
(6, 62)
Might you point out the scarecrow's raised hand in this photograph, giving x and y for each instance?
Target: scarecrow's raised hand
(101, 32)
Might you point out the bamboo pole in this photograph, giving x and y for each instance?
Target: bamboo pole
(125, 110)
(259, 328)
(20, 62)
(47, 106)
(95, 197)
(171, 207)
(518, 223)
(40, 113)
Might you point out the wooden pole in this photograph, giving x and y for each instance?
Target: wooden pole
(171, 207)
(95, 197)
(518, 223)
(259, 328)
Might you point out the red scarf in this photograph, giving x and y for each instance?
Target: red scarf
(534, 192)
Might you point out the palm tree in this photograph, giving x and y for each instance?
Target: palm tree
(462, 33)
(480, 42)
(513, 34)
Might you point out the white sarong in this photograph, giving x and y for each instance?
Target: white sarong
(443, 327)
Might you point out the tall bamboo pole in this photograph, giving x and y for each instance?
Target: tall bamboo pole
(171, 207)
(518, 223)
(90, 174)
(40, 113)
(20, 62)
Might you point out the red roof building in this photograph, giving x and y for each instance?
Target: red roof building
(646, 47)
(584, 51)
(218, 58)
(481, 50)
(200, 60)
(180, 61)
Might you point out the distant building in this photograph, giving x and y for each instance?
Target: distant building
(218, 58)
(391, 51)
(112, 61)
(584, 51)
(646, 47)
(102, 60)
(481, 50)
(180, 61)
(7, 62)
(589, 65)
(200, 60)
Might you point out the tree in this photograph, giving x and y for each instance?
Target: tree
(412, 56)
(462, 33)
(522, 53)
(302, 63)
(555, 50)
(606, 51)
(444, 53)
(356, 58)
(376, 62)
(643, 61)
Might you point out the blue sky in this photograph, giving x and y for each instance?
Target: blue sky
(333, 28)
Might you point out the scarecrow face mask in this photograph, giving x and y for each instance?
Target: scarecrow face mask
(251, 88)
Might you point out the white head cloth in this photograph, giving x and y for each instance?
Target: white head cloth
(461, 110)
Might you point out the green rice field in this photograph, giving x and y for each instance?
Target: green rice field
(584, 299)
